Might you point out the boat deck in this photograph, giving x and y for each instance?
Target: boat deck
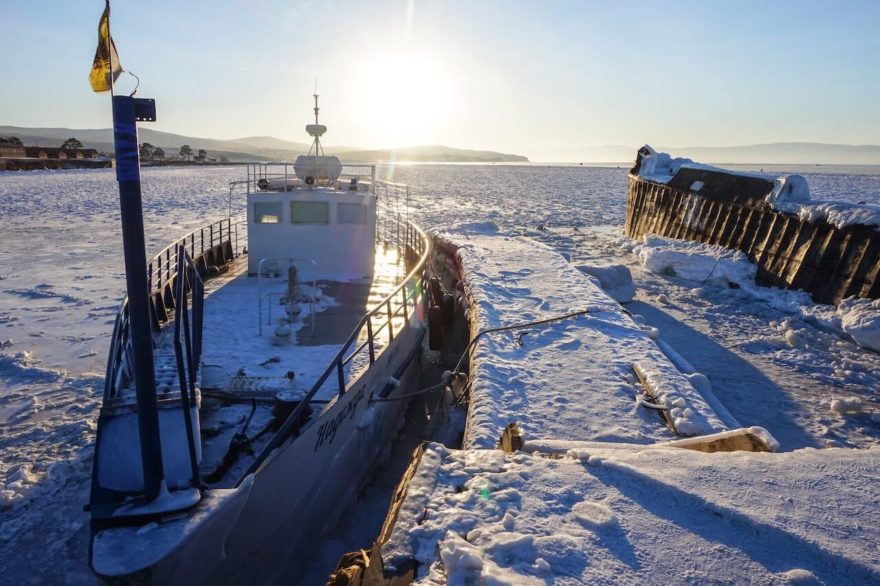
(234, 345)
(248, 382)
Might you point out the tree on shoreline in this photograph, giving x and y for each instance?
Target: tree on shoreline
(71, 143)
(147, 151)
(159, 154)
(186, 152)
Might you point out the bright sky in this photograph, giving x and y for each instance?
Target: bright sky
(533, 78)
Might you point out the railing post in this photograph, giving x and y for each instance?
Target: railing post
(370, 339)
(405, 309)
(340, 374)
(212, 238)
(390, 327)
(202, 238)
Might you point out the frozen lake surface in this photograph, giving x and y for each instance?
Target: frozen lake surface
(61, 280)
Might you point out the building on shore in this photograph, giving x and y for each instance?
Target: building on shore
(14, 156)
(11, 148)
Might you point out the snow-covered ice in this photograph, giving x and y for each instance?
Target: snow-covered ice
(617, 513)
(616, 280)
(61, 281)
(692, 260)
(858, 319)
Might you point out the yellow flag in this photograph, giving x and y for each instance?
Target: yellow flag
(106, 60)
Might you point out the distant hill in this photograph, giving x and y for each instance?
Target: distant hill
(431, 153)
(798, 153)
(254, 148)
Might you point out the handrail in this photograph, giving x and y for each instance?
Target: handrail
(187, 351)
(285, 171)
(161, 269)
(415, 240)
(201, 239)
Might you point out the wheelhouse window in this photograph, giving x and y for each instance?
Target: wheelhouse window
(267, 212)
(309, 212)
(351, 213)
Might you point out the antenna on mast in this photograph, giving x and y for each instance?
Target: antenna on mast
(316, 100)
(316, 130)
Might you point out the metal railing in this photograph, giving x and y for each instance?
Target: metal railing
(403, 302)
(162, 267)
(161, 272)
(188, 344)
(392, 203)
(261, 176)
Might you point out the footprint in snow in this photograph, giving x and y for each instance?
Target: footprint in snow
(570, 345)
(594, 515)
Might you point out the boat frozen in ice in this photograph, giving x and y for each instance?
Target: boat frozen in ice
(829, 249)
(281, 348)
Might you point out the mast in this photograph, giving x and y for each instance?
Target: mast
(127, 110)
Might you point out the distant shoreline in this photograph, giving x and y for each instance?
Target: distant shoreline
(766, 168)
(38, 164)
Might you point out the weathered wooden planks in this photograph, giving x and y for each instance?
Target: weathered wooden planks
(830, 263)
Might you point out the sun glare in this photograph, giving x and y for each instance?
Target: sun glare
(406, 98)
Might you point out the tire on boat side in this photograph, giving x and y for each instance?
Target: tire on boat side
(448, 308)
(435, 328)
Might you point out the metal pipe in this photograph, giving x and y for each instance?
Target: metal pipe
(125, 114)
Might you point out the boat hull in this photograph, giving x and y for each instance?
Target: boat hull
(297, 496)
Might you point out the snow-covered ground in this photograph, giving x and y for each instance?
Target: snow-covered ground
(61, 281)
(623, 514)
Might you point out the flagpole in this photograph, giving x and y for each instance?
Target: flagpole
(109, 48)
(127, 110)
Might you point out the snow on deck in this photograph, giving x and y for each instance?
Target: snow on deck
(615, 513)
(238, 360)
(572, 379)
(233, 344)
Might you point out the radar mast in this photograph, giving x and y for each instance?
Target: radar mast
(316, 130)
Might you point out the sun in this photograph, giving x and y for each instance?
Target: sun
(405, 99)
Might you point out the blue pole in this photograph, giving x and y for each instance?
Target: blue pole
(126, 112)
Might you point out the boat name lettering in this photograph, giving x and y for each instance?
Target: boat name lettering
(328, 429)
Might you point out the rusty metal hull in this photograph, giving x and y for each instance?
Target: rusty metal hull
(830, 263)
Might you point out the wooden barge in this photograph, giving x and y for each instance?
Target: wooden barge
(732, 210)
